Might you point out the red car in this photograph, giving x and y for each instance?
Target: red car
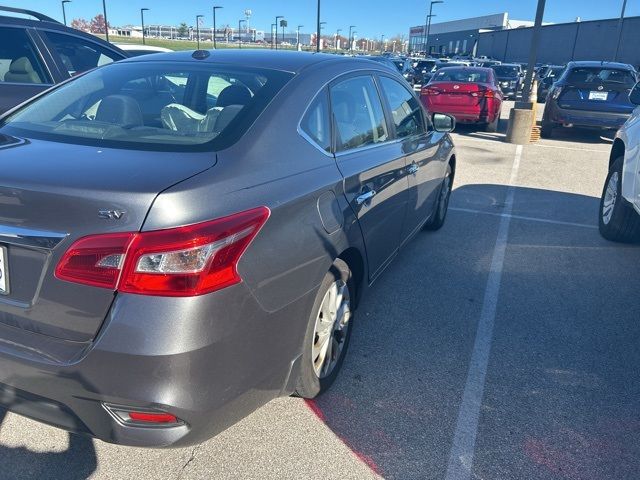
(471, 95)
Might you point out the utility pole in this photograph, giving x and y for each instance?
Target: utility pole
(620, 28)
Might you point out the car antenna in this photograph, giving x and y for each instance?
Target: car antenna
(201, 54)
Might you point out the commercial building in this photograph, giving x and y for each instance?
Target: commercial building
(459, 36)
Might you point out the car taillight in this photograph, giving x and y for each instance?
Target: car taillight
(178, 262)
(430, 91)
(484, 94)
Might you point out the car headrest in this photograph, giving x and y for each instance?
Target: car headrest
(120, 110)
(21, 66)
(344, 107)
(234, 95)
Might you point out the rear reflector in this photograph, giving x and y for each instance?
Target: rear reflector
(132, 416)
(179, 262)
(152, 417)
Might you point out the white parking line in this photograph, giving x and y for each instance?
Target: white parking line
(493, 139)
(464, 440)
(524, 217)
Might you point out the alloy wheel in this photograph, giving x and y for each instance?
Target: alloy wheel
(610, 198)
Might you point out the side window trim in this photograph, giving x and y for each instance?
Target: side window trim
(347, 76)
(304, 134)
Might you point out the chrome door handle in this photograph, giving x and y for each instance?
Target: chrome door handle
(413, 169)
(365, 197)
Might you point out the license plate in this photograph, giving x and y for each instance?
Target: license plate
(4, 272)
(599, 96)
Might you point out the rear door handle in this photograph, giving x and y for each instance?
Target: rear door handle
(413, 169)
(365, 197)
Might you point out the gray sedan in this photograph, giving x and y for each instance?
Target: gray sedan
(186, 236)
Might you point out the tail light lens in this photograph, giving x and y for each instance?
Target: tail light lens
(486, 93)
(179, 262)
(430, 91)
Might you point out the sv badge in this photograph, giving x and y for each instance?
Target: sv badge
(111, 214)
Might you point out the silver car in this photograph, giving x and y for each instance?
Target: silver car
(186, 236)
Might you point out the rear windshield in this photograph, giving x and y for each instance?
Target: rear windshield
(428, 66)
(151, 105)
(596, 76)
(462, 75)
(506, 71)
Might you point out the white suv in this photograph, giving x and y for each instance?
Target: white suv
(620, 203)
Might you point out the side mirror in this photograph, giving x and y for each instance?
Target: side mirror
(443, 123)
(634, 96)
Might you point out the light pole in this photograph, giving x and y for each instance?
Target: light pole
(214, 26)
(283, 23)
(318, 29)
(276, 27)
(64, 14)
(337, 36)
(382, 48)
(198, 17)
(620, 27)
(298, 36)
(278, 17)
(322, 24)
(240, 32)
(142, 10)
(106, 23)
(428, 26)
(351, 27)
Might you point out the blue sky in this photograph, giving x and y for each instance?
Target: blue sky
(372, 17)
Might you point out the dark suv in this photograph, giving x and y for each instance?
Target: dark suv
(590, 94)
(36, 54)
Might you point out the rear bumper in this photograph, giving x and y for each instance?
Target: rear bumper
(584, 118)
(188, 357)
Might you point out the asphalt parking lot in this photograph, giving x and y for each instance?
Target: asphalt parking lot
(504, 346)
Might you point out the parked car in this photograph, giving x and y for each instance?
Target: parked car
(386, 61)
(510, 78)
(404, 67)
(169, 267)
(590, 94)
(619, 218)
(36, 54)
(549, 76)
(135, 50)
(470, 94)
(424, 71)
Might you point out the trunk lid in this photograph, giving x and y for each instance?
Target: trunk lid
(604, 97)
(463, 94)
(53, 193)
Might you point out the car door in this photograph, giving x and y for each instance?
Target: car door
(420, 147)
(23, 71)
(372, 164)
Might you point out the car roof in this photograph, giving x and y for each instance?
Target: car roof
(289, 61)
(596, 64)
(146, 48)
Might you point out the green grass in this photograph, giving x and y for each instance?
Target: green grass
(185, 44)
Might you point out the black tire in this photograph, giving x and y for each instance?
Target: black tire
(309, 384)
(546, 131)
(493, 126)
(442, 207)
(624, 223)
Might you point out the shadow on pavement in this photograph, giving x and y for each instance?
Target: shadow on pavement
(77, 462)
(396, 401)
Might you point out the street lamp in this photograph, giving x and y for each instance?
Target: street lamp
(106, 23)
(319, 39)
(198, 17)
(283, 23)
(351, 27)
(278, 17)
(214, 26)
(142, 10)
(428, 26)
(64, 14)
(272, 27)
(337, 36)
(298, 36)
(318, 26)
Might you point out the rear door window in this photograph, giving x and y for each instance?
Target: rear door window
(358, 114)
(316, 124)
(597, 76)
(19, 61)
(79, 55)
(405, 109)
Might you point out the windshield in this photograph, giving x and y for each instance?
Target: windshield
(462, 75)
(150, 105)
(595, 76)
(506, 71)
